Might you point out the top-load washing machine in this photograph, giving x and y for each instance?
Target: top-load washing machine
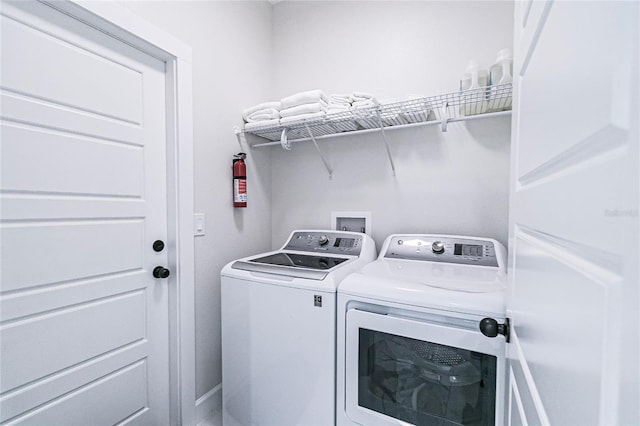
(410, 348)
(278, 329)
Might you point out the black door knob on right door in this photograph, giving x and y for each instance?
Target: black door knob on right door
(161, 272)
(490, 328)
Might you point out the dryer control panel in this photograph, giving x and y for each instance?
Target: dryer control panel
(439, 248)
(349, 243)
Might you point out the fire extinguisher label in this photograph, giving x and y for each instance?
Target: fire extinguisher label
(240, 190)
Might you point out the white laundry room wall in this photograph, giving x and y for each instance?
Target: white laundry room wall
(455, 182)
(246, 52)
(231, 44)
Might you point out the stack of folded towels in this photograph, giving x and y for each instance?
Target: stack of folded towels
(340, 103)
(303, 105)
(264, 114)
(363, 100)
(314, 104)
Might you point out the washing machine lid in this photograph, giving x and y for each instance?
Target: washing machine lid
(451, 277)
(454, 288)
(316, 260)
(297, 265)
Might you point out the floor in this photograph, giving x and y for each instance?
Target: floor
(214, 419)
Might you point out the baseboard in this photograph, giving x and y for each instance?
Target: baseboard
(208, 403)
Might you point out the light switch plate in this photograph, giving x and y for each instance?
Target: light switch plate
(198, 224)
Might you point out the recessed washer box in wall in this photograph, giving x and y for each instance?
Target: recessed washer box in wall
(352, 221)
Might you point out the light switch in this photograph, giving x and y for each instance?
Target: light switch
(198, 224)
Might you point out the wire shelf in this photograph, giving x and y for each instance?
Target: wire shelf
(456, 106)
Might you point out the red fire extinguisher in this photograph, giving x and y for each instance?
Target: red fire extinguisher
(239, 180)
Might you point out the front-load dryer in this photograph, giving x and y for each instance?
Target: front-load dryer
(409, 346)
(278, 329)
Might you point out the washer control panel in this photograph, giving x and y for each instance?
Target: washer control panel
(437, 248)
(326, 242)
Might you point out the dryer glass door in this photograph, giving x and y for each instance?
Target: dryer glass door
(419, 372)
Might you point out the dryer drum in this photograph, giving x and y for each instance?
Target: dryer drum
(416, 380)
(432, 361)
(438, 354)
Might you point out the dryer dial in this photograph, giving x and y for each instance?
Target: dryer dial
(437, 247)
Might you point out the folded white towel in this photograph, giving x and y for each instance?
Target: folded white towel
(252, 126)
(263, 106)
(333, 108)
(301, 98)
(361, 96)
(261, 116)
(340, 104)
(303, 109)
(302, 117)
(340, 99)
(364, 103)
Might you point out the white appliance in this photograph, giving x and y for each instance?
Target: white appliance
(410, 349)
(278, 329)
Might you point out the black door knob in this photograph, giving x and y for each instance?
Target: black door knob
(490, 328)
(161, 272)
(158, 245)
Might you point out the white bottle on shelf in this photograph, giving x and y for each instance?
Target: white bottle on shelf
(500, 73)
(472, 84)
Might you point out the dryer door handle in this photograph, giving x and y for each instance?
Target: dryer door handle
(490, 328)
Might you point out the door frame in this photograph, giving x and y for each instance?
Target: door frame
(122, 24)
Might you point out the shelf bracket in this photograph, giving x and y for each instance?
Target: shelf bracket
(324, 160)
(386, 144)
(445, 117)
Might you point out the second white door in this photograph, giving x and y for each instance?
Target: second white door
(574, 241)
(83, 321)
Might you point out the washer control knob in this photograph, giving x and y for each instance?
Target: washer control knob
(437, 247)
(323, 240)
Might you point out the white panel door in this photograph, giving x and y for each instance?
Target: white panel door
(83, 322)
(574, 234)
